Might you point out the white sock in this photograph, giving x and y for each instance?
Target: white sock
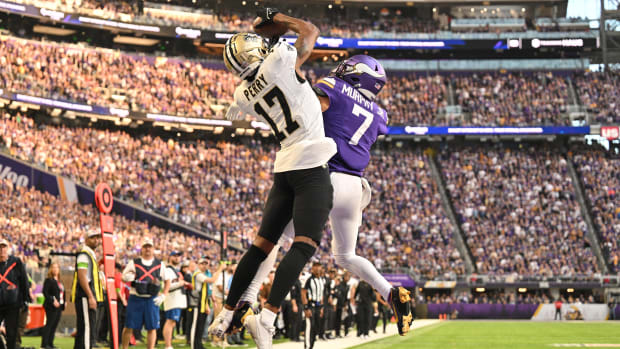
(363, 269)
(267, 317)
(226, 314)
(263, 271)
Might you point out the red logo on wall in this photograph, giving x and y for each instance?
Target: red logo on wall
(610, 132)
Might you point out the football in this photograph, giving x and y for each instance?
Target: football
(269, 30)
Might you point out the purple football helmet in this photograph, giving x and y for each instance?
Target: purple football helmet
(364, 73)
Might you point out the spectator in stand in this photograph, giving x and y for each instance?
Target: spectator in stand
(600, 94)
(600, 175)
(494, 99)
(518, 211)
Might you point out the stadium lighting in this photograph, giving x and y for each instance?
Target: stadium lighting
(522, 289)
(480, 289)
(570, 290)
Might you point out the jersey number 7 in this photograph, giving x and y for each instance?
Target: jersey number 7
(270, 97)
(357, 111)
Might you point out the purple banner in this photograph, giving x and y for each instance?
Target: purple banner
(484, 311)
(403, 280)
(15, 171)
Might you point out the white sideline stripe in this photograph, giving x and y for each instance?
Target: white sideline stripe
(588, 345)
(352, 340)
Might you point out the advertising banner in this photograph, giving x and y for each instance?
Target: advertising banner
(487, 130)
(588, 312)
(483, 311)
(397, 280)
(15, 171)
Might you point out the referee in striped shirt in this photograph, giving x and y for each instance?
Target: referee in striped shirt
(313, 297)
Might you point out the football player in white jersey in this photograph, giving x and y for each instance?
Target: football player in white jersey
(358, 79)
(274, 89)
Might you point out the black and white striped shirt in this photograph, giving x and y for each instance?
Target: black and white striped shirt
(315, 287)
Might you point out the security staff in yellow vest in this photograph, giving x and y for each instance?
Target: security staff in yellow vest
(87, 290)
(200, 296)
(146, 275)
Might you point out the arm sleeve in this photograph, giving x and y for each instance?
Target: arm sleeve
(201, 277)
(383, 129)
(171, 275)
(129, 273)
(82, 261)
(283, 54)
(23, 282)
(235, 112)
(165, 276)
(47, 292)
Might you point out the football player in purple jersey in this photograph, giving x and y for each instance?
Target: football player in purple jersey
(353, 120)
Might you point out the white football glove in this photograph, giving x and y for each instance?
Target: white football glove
(159, 300)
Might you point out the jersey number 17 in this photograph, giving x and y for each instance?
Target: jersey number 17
(270, 97)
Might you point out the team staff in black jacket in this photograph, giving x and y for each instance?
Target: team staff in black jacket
(54, 304)
(14, 291)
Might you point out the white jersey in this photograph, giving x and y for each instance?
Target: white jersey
(176, 298)
(288, 104)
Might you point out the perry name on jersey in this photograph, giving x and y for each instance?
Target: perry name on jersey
(286, 102)
(354, 122)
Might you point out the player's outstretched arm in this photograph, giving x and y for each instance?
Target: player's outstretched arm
(308, 33)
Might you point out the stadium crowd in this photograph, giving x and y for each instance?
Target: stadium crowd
(112, 79)
(599, 93)
(187, 88)
(385, 23)
(496, 99)
(35, 226)
(414, 99)
(599, 172)
(517, 210)
(222, 186)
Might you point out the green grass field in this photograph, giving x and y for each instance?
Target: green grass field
(466, 335)
(503, 334)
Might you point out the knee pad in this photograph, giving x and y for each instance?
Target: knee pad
(306, 250)
(255, 253)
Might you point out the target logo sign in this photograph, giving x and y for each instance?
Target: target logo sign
(103, 198)
(610, 132)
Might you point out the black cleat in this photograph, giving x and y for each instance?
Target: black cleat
(400, 302)
(241, 312)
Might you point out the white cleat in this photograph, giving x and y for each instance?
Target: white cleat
(221, 322)
(262, 335)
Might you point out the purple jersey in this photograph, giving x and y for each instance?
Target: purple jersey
(353, 122)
